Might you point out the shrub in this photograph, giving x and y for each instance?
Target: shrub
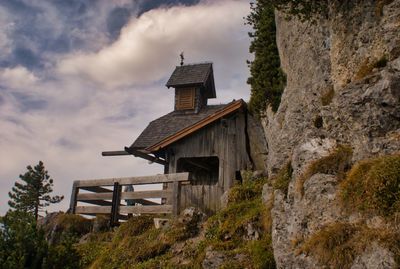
(338, 244)
(373, 186)
(248, 190)
(336, 163)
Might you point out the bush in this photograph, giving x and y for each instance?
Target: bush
(338, 244)
(373, 186)
(336, 163)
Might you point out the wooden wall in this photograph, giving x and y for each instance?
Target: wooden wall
(225, 139)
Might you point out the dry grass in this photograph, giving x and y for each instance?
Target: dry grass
(373, 186)
(282, 179)
(366, 67)
(336, 163)
(338, 244)
(380, 5)
(327, 97)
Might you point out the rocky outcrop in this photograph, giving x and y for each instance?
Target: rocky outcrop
(343, 88)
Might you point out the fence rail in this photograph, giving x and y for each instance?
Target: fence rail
(104, 200)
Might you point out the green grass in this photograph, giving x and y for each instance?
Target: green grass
(336, 163)
(137, 244)
(338, 244)
(282, 179)
(373, 186)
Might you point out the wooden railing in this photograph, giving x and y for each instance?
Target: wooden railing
(107, 200)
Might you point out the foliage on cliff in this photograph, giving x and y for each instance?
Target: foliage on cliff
(267, 79)
(371, 187)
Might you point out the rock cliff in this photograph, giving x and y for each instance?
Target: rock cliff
(343, 88)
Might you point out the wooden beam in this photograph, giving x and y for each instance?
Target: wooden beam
(176, 197)
(145, 156)
(145, 202)
(155, 209)
(115, 153)
(161, 178)
(115, 204)
(94, 196)
(96, 189)
(93, 210)
(83, 197)
(73, 201)
(232, 107)
(96, 202)
(146, 194)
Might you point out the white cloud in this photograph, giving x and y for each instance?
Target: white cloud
(81, 118)
(149, 46)
(17, 77)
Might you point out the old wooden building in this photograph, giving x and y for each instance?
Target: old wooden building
(209, 141)
(202, 147)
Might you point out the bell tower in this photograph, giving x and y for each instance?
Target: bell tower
(194, 85)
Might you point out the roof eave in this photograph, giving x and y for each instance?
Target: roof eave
(232, 107)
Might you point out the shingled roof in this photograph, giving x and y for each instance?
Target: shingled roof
(176, 121)
(194, 75)
(190, 74)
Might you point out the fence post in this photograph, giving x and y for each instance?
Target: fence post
(116, 200)
(74, 195)
(176, 197)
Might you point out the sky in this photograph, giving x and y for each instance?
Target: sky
(79, 77)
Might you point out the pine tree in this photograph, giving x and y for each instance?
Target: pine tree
(34, 193)
(267, 79)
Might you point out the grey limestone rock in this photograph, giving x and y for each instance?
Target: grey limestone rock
(334, 95)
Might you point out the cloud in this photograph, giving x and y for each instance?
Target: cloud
(17, 77)
(99, 93)
(149, 45)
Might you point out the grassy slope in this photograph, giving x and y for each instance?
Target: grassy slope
(137, 244)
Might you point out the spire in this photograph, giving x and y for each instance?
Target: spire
(182, 58)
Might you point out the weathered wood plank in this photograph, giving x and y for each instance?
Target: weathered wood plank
(95, 189)
(141, 154)
(125, 195)
(115, 204)
(147, 194)
(73, 201)
(145, 202)
(97, 202)
(93, 210)
(134, 180)
(176, 197)
(156, 209)
(94, 196)
(115, 153)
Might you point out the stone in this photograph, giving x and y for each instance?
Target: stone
(214, 259)
(338, 52)
(191, 214)
(252, 232)
(375, 257)
(160, 223)
(101, 223)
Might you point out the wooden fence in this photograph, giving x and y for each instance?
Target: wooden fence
(106, 200)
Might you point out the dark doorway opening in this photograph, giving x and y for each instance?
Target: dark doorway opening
(204, 170)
